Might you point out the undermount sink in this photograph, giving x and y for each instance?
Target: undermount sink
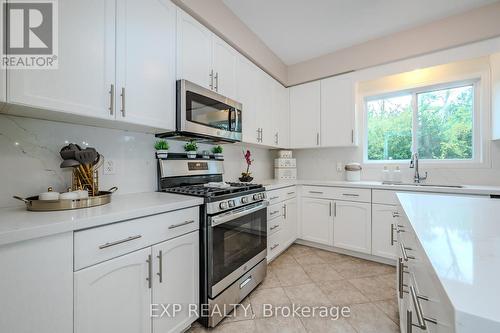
(425, 185)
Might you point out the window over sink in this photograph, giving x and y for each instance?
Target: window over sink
(438, 122)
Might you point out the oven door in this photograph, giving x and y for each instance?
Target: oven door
(237, 241)
(206, 113)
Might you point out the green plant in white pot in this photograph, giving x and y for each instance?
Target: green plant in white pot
(217, 150)
(161, 147)
(191, 148)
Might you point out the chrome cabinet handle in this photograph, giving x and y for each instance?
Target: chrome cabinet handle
(400, 277)
(350, 195)
(128, 239)
(261, 135)
(274, 227)
(315, 192)
(421, 319)
(122, 95)
(273, 198)
(274, 212)
(276, 138)
(274, 246)
(244, 283)
(112, 99)
(352, 136)
(211, 75)
(160, 264)
(284, 211)
(317, 139)
(217, 81)
(150, 271)
(290, 193)
(392, 235)
(330, 208)
(173, 226)
(403, 252)
(335, 209)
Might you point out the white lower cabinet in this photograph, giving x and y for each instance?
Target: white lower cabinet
(36, 285)
(383, 225)
(281, 220)
(352, 226)
(290, 221)
(176, 281)
(114, 296)
(317, 221)
(128, 293)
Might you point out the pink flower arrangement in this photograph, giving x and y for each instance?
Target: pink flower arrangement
(248, 160)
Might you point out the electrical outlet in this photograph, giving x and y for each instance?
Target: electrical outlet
(339, 166)
(109, 167)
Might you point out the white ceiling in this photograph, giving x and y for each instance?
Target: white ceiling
(298, 30)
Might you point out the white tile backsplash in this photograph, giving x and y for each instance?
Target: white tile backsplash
(29, 157)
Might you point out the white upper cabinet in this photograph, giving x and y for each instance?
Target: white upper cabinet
(247, 93)
(194, 51)
(225, 60)
(204, 58)
(145, 62)
(305, 115)
(352, 227)
(281, 115)
(119, 283)
(265, 90)
(81, 85)
(176, 280)
(495, 95)
(337, 112)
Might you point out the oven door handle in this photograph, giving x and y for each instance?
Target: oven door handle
(220, 219)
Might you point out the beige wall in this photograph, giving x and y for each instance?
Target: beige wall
(220, 19)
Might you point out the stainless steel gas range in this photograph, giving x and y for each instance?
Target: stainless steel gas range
(233, 233)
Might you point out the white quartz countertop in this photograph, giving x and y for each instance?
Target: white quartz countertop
(273, 184)
(18, 224)
(461, 238)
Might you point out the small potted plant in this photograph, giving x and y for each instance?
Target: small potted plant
(191, 147)
(217, 150)
(246, 177)
(161, 147)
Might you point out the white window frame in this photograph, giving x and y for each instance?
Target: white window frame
(479, 154)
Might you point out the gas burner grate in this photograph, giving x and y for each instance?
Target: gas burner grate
(202, 190)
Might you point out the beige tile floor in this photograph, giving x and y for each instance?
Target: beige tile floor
(307, 276)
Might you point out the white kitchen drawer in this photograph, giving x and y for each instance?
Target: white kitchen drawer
(281, 194)
(274, 244)
(274, 225)
(385, 197)
(338, 193)
(274, 211)
(103, 243)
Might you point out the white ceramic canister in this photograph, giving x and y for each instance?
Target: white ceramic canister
(353, 172)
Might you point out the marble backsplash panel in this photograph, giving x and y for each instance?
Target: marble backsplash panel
(29, 157)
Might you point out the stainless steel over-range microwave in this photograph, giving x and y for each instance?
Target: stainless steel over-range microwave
(204, 114)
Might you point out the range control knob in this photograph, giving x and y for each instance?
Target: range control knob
(256, 196)
(223, 205)
(244, 200)
(231, 203)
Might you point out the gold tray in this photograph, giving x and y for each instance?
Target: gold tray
(33, 204)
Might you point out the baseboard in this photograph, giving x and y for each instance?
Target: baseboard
(365, 256)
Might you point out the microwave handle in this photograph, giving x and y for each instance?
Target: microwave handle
(236, 119)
